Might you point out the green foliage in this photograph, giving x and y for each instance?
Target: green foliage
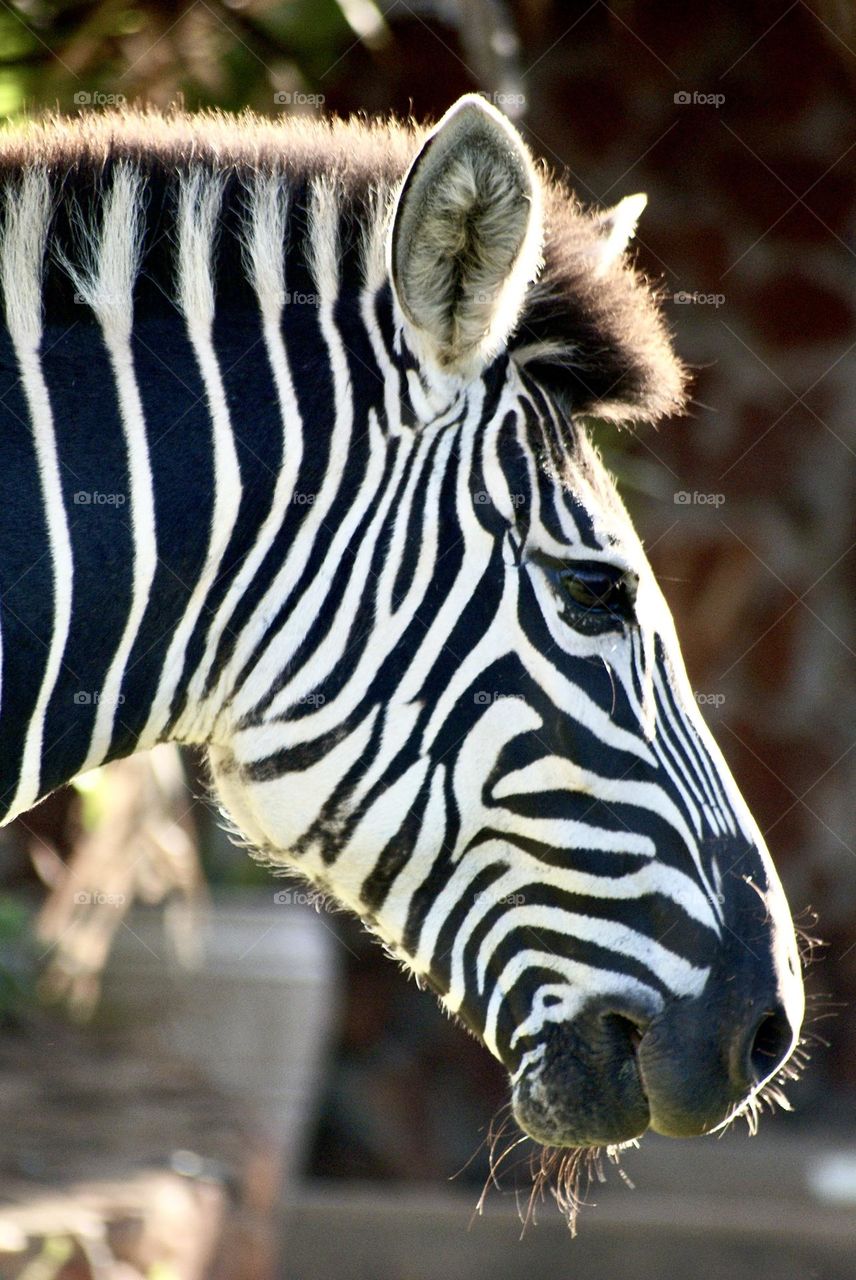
(227, 53)
(17, 957)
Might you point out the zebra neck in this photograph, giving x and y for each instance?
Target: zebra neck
(121, 562)
(160, 583)
(139, 565)
(155, 381)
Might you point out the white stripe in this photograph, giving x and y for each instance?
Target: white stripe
(673, 734)
(679, 975)
(376, 828)
(111, 263)
(568, 698)
(388, 627)
(699, 740)
(379, 824)
(255, 688)
(398, 722)
(274, 813)
(418, 866)
(523, 869)
(555, 773)
(392, 389)
(581, 977)
(21, 268)
(416, 491)
(264, 245)
(317, 600)
(477, 546)
(199, 205)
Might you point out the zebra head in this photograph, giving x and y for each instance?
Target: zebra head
(478, 732)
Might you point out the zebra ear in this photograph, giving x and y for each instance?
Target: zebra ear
(617, 227)
(466, 237)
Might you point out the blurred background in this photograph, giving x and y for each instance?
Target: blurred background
(201, 1074)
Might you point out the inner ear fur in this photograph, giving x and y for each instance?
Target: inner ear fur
(466, 237)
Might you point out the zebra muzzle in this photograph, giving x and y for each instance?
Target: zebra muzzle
(609, 1075)
(587, 1089)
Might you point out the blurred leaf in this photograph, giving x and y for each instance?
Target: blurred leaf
(17, 957)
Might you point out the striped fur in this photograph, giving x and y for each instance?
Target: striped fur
(244, 503)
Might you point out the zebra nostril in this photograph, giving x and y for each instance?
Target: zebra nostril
(625, 1030)
(769, 1046)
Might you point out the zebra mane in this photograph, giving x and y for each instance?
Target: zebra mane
(595, 336)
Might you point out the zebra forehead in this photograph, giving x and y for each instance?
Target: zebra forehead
(594, 337)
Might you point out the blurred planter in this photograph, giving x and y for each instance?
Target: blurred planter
(251, 1003)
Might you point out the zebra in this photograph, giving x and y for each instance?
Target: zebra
(295, 465)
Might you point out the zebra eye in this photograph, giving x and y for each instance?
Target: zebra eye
(598, 597)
